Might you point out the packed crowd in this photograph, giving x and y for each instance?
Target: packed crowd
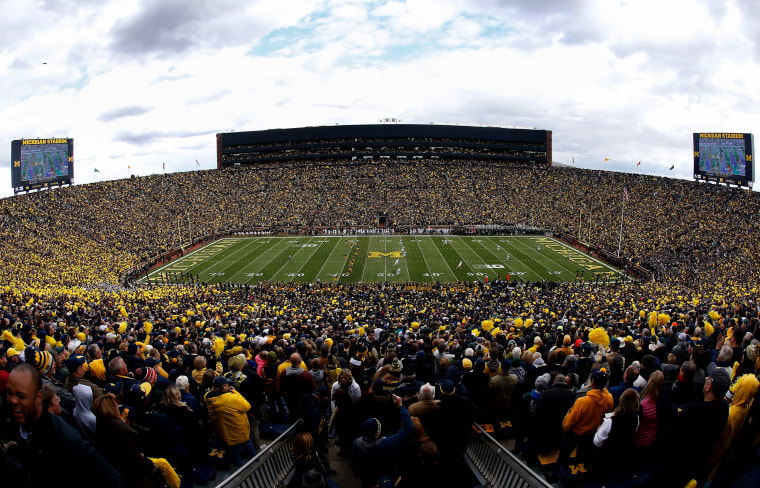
(691, 233)
(487, 352)
(116, 379)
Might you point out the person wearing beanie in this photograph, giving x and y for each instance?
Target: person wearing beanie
(372, 455)
(551, 408)
(453, 424)
(386, 384)
(516, 369)
(43, 362)
(408, 387)
(423, 367)
(527, 406)
(252, 389)
(500, 389)
(584, 417)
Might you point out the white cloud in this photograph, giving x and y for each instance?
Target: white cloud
(142, 82)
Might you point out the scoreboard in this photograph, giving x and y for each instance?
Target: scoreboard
(41, 163)
(725, 157)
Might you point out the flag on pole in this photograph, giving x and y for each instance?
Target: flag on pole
(638, 164)
(95, 170)
(625, 193)
(197, 163)
(606, 159)
(129, 167)
(573, 157)
(673, 166)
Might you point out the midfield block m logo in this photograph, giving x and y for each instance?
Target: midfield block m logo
(392, 254)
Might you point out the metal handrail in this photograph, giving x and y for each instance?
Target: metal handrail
(270, 467)
(496, 467)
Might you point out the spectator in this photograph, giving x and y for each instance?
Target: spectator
(75, 365)
(295, 382)
(83, 415)
(551, 408)
(585, 416)
(647, 433)
(373, 455)
(227, 411)
(426, 407)
(305, 458)
(118, 443)
(43, 439)
(711, 415)
(614, 439)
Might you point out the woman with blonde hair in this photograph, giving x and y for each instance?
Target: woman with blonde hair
(195, 434)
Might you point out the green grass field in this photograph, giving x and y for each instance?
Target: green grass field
(378, 258)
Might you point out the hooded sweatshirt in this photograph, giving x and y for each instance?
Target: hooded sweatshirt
(319, 377)
(82, 413)
(587, 412)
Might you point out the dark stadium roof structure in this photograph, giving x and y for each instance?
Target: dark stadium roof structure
(340, 144)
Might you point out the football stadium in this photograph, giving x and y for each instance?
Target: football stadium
(384, 305)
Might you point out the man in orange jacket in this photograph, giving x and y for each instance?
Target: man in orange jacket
(583, 418)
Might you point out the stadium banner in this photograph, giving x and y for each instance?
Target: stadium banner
(724, 157)
(41, 163)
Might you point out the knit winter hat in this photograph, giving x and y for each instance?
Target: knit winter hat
(42, 360)
(236, 363)
(371, 429)
(395, 367)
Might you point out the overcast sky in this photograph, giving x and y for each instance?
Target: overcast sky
(144, 82)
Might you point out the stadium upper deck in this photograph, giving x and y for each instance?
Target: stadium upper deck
(345, 143)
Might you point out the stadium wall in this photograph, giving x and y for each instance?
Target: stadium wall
(343, 144)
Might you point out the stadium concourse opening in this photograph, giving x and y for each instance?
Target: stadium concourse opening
(441, 372)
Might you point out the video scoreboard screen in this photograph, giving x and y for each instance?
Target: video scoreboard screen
(40, 163)
(724, 157)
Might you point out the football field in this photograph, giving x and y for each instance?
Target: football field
(380, 258)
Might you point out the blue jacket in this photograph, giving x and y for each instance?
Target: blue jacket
(372, 459)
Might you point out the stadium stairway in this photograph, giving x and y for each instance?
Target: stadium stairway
(491, 463)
